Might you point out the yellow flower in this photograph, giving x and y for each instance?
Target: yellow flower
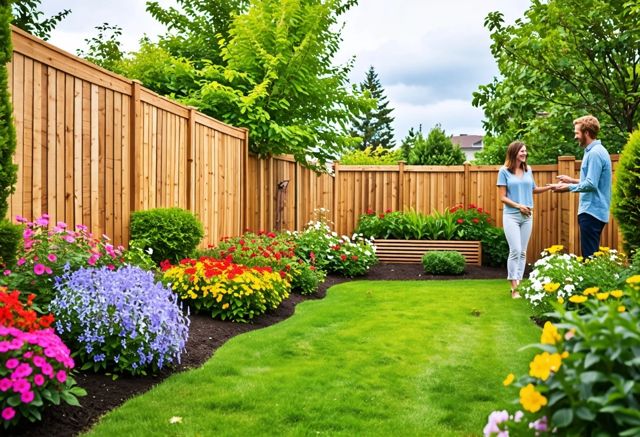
(550, 334)
(633, 280)
(509, 379)
(531, 400)
(602, 296)
(577, 299)
(604, 249)
(564, 355)
(555, 248)
(596, 254)
(543, 364)
(590, 291)
(225, 306)
(560, 300)
(551, 287)
(579, 258)
(621, 309)
(617, 294)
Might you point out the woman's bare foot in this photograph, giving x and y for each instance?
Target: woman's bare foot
(515, 294)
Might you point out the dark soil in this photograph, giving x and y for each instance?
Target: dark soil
(205, 336)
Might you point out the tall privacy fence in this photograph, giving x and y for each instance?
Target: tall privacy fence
(94, 146)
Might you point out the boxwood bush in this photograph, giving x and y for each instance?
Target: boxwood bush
(443, 262)
(10, 240)
(172, 233)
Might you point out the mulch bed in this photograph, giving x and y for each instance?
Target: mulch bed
(205, 336)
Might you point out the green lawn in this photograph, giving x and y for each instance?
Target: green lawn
(373, 358)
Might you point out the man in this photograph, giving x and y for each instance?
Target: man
(594, 184)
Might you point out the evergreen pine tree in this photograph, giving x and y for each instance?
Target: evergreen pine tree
(409, 142)
(374, 125)
(436, 149)
(8, 170)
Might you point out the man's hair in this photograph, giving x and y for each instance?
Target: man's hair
(588, 123)
(511, 161)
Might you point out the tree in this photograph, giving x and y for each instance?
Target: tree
(27, 17)
(374, 125)
(105, 48)
(436, 149)
(8, 170)
(279, 80)
(626, 193)
(566, 58)
(409, 142)
(194, 31)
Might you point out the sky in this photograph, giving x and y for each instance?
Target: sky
(430, 55)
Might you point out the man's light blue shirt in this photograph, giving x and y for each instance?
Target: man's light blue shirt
(595, 182)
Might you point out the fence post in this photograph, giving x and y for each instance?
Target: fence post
(400, 186)
(191, 144)
(466, 184)
(136, 151)
(336, 193)
(567, 212)
(297, 196)
(245, 177)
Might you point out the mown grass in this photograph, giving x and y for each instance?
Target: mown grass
(373, 358)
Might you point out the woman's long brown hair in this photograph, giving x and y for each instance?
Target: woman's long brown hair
(511, 162)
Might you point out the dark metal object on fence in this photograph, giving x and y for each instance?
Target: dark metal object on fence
(280, 199)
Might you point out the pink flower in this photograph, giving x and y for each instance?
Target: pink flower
(43, 221)
(8, 413)
(38, 380)
(38, 361)
(111, 267)
(38, 269)
(28, 233)
(12, 363)
(61, 225)
(22, 371)
(48, 270)
(26, 397)
(61, 376)
(69, 239)
(21, 385)
(5, 384)
(21, 219)
(7, 272)
(21, 261)
(92, 259)
(52, 257)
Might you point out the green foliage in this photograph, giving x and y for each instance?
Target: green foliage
(557, 63)
(10, 242)
(586, 373)
(8, 170)
(626, 193)
(409, 142)
(105, 48)
(495, 248)
(278, 80)
(137, 255)
(436, 149)
(27, 17)
(195, 28)
(443, 262)
(370, 156)
(373, 125)
(172, 233)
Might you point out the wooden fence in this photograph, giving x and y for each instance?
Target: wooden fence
(93, 146)
(352, 190)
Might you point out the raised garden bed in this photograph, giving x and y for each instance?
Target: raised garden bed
(411, 251)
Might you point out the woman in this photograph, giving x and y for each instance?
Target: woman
(516, 187)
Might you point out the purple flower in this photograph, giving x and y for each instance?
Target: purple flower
(21, 219)
(495, 419)
(540, 424)
(43, 221)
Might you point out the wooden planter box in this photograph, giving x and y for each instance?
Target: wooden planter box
(411, 251)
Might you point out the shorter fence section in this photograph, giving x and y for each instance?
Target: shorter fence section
(411, 251)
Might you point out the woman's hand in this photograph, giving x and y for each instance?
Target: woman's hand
(524, 210)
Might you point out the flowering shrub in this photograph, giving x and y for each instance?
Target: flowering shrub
(472, 222)
(342, 255)
(584, 381)
(558, 276)
(226, 290)
(121, 321)
(46, 252)
(15, 314)
(34, 372)
(271, 250)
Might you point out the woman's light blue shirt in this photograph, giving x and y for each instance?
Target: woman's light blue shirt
(519, 189)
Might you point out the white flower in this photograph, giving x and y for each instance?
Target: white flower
(175, 419)
(149, 250)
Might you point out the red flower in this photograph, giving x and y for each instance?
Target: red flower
(354, 257)
(460, 221)
(370, 211)
(388, 210)
(381, 216)
(472, 206)
(165, 265)
(271, 235)
(343, 257)
(475, 220)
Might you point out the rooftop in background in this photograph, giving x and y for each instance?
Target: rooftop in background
(467, 141)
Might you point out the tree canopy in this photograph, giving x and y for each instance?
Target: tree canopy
(373, 125)
(28, 17)
(564, 59)
(436, 149)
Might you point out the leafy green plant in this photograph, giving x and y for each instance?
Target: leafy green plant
(584, 380)
(371, 156)
(436, 149)
(10, 241)
(172, 233)
(626, 193)
(495, 248)
(443, 262)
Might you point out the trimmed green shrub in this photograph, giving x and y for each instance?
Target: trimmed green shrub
(626, 193)
(371, 156)
(172, 233)
(495, 249)
(10, 239)
(443, 262)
